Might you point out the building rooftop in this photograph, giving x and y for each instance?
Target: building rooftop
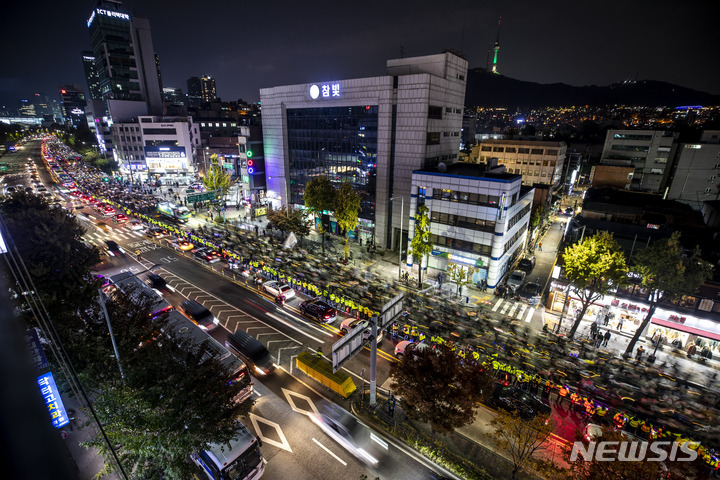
(524, 142)
(473, 170)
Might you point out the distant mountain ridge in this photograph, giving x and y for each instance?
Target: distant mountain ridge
(491, 90)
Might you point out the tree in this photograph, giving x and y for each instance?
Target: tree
(447, 398)
(216, 178)
(460, 275)
(347, 209)
(174, 398)
(594, 267)
(667, 273)
(50, 244)
(420, 244)
(521, 439)
(289, 220)
(319, 198)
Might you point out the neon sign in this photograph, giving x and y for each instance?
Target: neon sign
(51, 395)
(107, 13)
(326, 90)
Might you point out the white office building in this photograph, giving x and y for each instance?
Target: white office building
(696, 174)
(372, 132)
(479, 217)
(157, 148)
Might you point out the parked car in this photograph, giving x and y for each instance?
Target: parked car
(531, 293)
(408, 347)
(526, 264)
(514, 399)
(318, 310)
(276, 288)
(516, 279)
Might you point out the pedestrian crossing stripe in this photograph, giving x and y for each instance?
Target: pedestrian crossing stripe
(497, 305)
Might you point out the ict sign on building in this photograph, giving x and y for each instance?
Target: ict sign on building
(51, 395)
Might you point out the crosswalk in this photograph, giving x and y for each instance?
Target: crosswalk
(98, 238)
(517, 310)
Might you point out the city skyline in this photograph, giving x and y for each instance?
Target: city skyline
(252, 47)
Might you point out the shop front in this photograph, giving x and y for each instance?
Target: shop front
(696, 336)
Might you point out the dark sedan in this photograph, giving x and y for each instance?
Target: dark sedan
(514, 399)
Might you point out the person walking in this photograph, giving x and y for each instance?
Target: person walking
(607, 319)
(540, 246)
(606, 338)
(593, 328)
(620, 324)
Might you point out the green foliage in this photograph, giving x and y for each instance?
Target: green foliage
(460, 275)
(347, 209)
(596, 266)
(420, 245)
(50, 244)
(217, 179)
(319, 197)
(436, 387)
(289, 220)
(667, 273)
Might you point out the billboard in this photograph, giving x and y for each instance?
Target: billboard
(51, 395)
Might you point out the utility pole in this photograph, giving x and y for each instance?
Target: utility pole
(101, 299)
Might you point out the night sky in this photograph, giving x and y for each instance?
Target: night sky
(247, 45)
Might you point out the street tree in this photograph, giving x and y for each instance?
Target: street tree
(289, 220)
(461, 275)
(174, 398)
(50, 245)
(437, 387)
(420, 246)
(521, 439)
(319, 198)
(216, 178)
(667, 273)
(594, 267)
(347, 209)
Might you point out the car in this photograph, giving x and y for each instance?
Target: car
(206, 254)
(93, 200)
(156, 281)
(108, 211)
(526, 264)
(353, 435)
(200, 316)
(276, 288)
(184, 245)
(156, 232)
(103, 226)
(350, 324)
(569, 212)
(136, 225)
(407, 347)
(531, 293)
(120, 218)
(514, 399)
(113, 249)
(516, 279)
(318, 310)
(10, 189)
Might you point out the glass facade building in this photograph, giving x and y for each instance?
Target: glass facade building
(340, 143)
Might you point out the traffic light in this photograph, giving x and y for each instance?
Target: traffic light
(250, 167)
(249, 153)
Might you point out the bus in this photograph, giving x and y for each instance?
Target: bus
(136, 289)
(239, 459)
(185, 328)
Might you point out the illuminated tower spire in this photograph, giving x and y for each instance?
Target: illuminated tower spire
(496, 48)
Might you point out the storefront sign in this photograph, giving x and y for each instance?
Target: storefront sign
(326, 90)
(51, 395)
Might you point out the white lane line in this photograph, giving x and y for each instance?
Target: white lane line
(529, 315)
(290, 325)
(497, 305)
(520, 311)
(331, 453)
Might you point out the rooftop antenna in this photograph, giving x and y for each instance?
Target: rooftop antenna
(496, 48)
(402, 51)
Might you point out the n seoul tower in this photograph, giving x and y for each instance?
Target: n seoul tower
(496, 48)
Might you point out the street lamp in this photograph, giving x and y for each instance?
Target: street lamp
(400, 242)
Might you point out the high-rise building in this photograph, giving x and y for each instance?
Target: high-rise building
(173, 95)
(124, 62)
(91, 75)
(372, 132)
(201, 90)
(73, 105)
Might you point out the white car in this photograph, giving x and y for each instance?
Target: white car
(136, 225)
(516, 279)
(407, 347)
(351, 323)
(276, 288)
(353, 435)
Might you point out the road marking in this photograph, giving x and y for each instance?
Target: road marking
(529, 315)
(519, 312)
(289, 394)
(283, 443)
(331, 453)
(288, 324)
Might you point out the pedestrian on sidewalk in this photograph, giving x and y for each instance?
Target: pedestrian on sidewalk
(607, 319)
(540, 246)
(593, 329)
(606, 338)
(620, 324)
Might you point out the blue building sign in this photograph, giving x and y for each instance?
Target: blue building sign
(54, 403)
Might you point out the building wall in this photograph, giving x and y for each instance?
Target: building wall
(612, 176)
(696, 177)
(403, 99)
(500, 245)
(538, 162)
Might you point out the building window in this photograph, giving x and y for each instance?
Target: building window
(433, 138)
(486, 148)
(498, 149)
(435, 112)
(536, 151)
(446, 134)
(551, 152)
(510, 150)
(523, 150)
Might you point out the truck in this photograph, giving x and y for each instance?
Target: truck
(239, 459)
(177, 213)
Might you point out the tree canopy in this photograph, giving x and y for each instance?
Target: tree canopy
(519, 438)
(668, 273)
(347, 209)
(290, 220)
(435, 386)
(216, 178)
(596, 266)
(420, 244)
(319, 197)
